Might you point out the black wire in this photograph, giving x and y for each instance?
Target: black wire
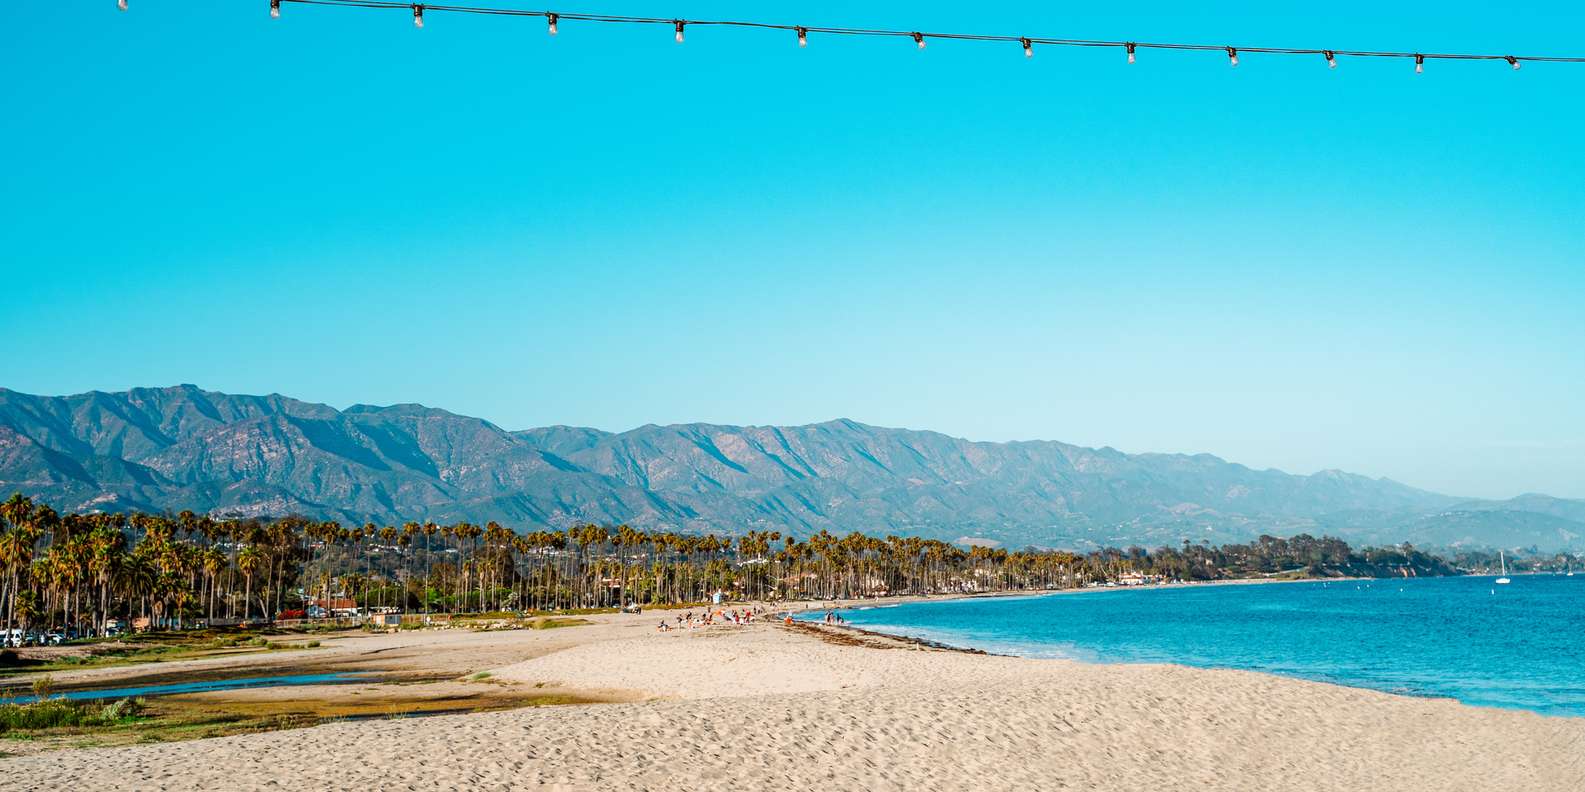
(845, 31)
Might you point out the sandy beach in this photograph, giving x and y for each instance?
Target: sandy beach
(770, 706)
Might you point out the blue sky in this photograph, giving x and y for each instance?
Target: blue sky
(1283, 265)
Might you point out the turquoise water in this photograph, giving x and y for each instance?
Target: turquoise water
(1521, 645)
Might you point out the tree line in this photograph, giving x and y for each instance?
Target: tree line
(81, 571)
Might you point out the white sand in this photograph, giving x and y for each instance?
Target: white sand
(766, 707)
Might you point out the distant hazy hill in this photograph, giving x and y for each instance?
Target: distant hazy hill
(185, 448)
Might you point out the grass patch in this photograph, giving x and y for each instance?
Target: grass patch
(21, 721)
(551, 624)
(572, 612)
(156, 647)
(531, 623)
(57, 723)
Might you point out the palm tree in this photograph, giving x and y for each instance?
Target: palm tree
(16, 547)
(214, 562)
(107, 549)
(250, 561)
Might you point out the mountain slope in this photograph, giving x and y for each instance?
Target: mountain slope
(185, 448)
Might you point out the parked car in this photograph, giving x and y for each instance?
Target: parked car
(11, 637)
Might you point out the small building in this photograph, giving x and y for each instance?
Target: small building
(334, 607)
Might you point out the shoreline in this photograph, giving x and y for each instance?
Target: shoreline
(313, 661)
(909, 599)
(764, 705)
(221, 666)
(935, 639)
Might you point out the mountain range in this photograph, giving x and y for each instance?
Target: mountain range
(169, 449)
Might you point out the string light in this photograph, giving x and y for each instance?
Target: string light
(1028, 42)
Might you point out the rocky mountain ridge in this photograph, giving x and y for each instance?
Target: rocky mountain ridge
(186, 448)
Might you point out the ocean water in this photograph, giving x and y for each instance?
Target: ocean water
(1521, 645)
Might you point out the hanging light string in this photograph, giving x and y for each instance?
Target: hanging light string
(1028, 43)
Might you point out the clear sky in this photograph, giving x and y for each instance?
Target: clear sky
(1280, 264)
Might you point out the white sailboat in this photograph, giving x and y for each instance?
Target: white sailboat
(1501, 559)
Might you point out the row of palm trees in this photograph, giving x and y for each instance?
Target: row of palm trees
(81, 571)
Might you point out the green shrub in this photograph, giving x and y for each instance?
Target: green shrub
(120, 710)
(313, 644)
(57, 713)
(47, 714)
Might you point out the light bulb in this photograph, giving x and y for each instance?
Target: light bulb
(1029, 48)
(1331, 58)
(552, 18)
(1130, 52)
(1232, 56)
(1419, 64)
(1512, 61)
(121, 4)
(275, 9)
(679, 24)
(418, 16)
(919, 39)
(803, 37)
